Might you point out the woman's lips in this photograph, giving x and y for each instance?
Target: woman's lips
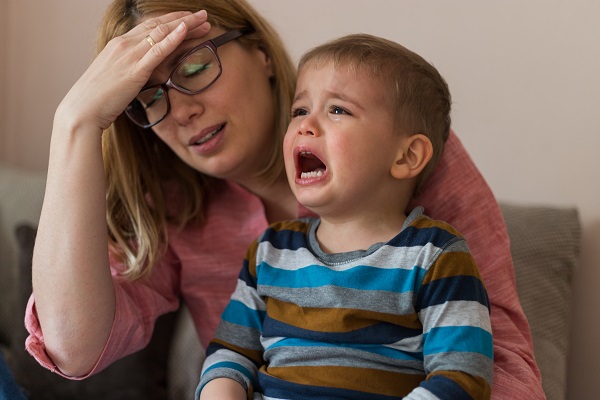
(206, 135)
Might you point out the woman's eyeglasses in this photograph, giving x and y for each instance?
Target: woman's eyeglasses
(195, 72)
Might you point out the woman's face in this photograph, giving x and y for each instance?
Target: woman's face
(225, 131)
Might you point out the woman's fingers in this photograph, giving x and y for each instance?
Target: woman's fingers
(160, 27)
(151, 23)
(164, 38)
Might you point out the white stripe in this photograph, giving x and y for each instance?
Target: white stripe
(248, 296)
(457, 313)
(420, 393)
(387, 257)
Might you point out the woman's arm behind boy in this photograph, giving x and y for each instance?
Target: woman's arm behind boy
(470, 206)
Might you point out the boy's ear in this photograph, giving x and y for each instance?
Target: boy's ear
(413, 155)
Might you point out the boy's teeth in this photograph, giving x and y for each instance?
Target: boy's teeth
(311, 174)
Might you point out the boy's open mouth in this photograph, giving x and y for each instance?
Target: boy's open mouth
(309, 165)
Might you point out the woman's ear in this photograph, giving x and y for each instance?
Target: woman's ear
(413, 155)
(266, 59)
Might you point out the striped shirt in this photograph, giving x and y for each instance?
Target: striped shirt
(409, 317)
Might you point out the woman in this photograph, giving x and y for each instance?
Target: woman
(185, 174)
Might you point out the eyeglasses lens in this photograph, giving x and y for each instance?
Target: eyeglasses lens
(197, 71)
(191, 76)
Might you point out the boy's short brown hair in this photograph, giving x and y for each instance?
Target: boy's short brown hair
(419, 94)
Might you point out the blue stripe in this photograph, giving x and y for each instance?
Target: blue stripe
(445, 388)
(234, 366)
(246, 276)
(453, 288)
(413, 236)
(213, 348)
(237, 313)
(381, 332)
(278, 388)
(458, 339)
(360, 277)
(284, 239)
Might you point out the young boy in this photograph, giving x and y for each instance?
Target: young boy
(364, 302)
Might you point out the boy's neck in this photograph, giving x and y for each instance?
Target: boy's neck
(340, 235)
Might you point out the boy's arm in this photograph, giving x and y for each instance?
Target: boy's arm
(235, 354)
(223, 389)
(453, 307)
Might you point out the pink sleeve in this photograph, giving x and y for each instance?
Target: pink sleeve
(458, 194)
(137, 308)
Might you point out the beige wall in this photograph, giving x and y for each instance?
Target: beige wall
(523, 76)
(46, 46)
(3, 77)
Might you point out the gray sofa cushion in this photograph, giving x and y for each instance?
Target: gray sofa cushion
(545, 245)
(140, 376)
(21, 195)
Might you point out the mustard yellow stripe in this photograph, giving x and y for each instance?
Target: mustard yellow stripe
(359, 379)
(423, 222)
(455, 264)
(291, 225)
(251, 258)
(335, 319)
(253, 355)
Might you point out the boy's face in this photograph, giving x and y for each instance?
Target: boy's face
(341, 142)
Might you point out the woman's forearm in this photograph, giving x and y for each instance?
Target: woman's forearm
(72, 282)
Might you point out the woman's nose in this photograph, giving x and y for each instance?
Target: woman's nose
(184, 107)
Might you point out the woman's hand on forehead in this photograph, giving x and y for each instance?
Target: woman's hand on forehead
(165, 24)
(124, 66)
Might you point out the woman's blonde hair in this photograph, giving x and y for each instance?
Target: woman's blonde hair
(142, 173)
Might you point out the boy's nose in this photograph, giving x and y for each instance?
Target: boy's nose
(309, 126)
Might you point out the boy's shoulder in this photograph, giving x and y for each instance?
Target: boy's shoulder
(288, 227)
(419, 220)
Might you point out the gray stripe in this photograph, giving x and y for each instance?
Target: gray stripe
(340, 297)
(471, 363)
(457, 313)
(248, 338)
(338, 356)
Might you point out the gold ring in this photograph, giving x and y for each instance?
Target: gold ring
(149, 39)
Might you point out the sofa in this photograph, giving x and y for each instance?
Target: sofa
(545, 244)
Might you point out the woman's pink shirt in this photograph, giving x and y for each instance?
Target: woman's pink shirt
(202, 264)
